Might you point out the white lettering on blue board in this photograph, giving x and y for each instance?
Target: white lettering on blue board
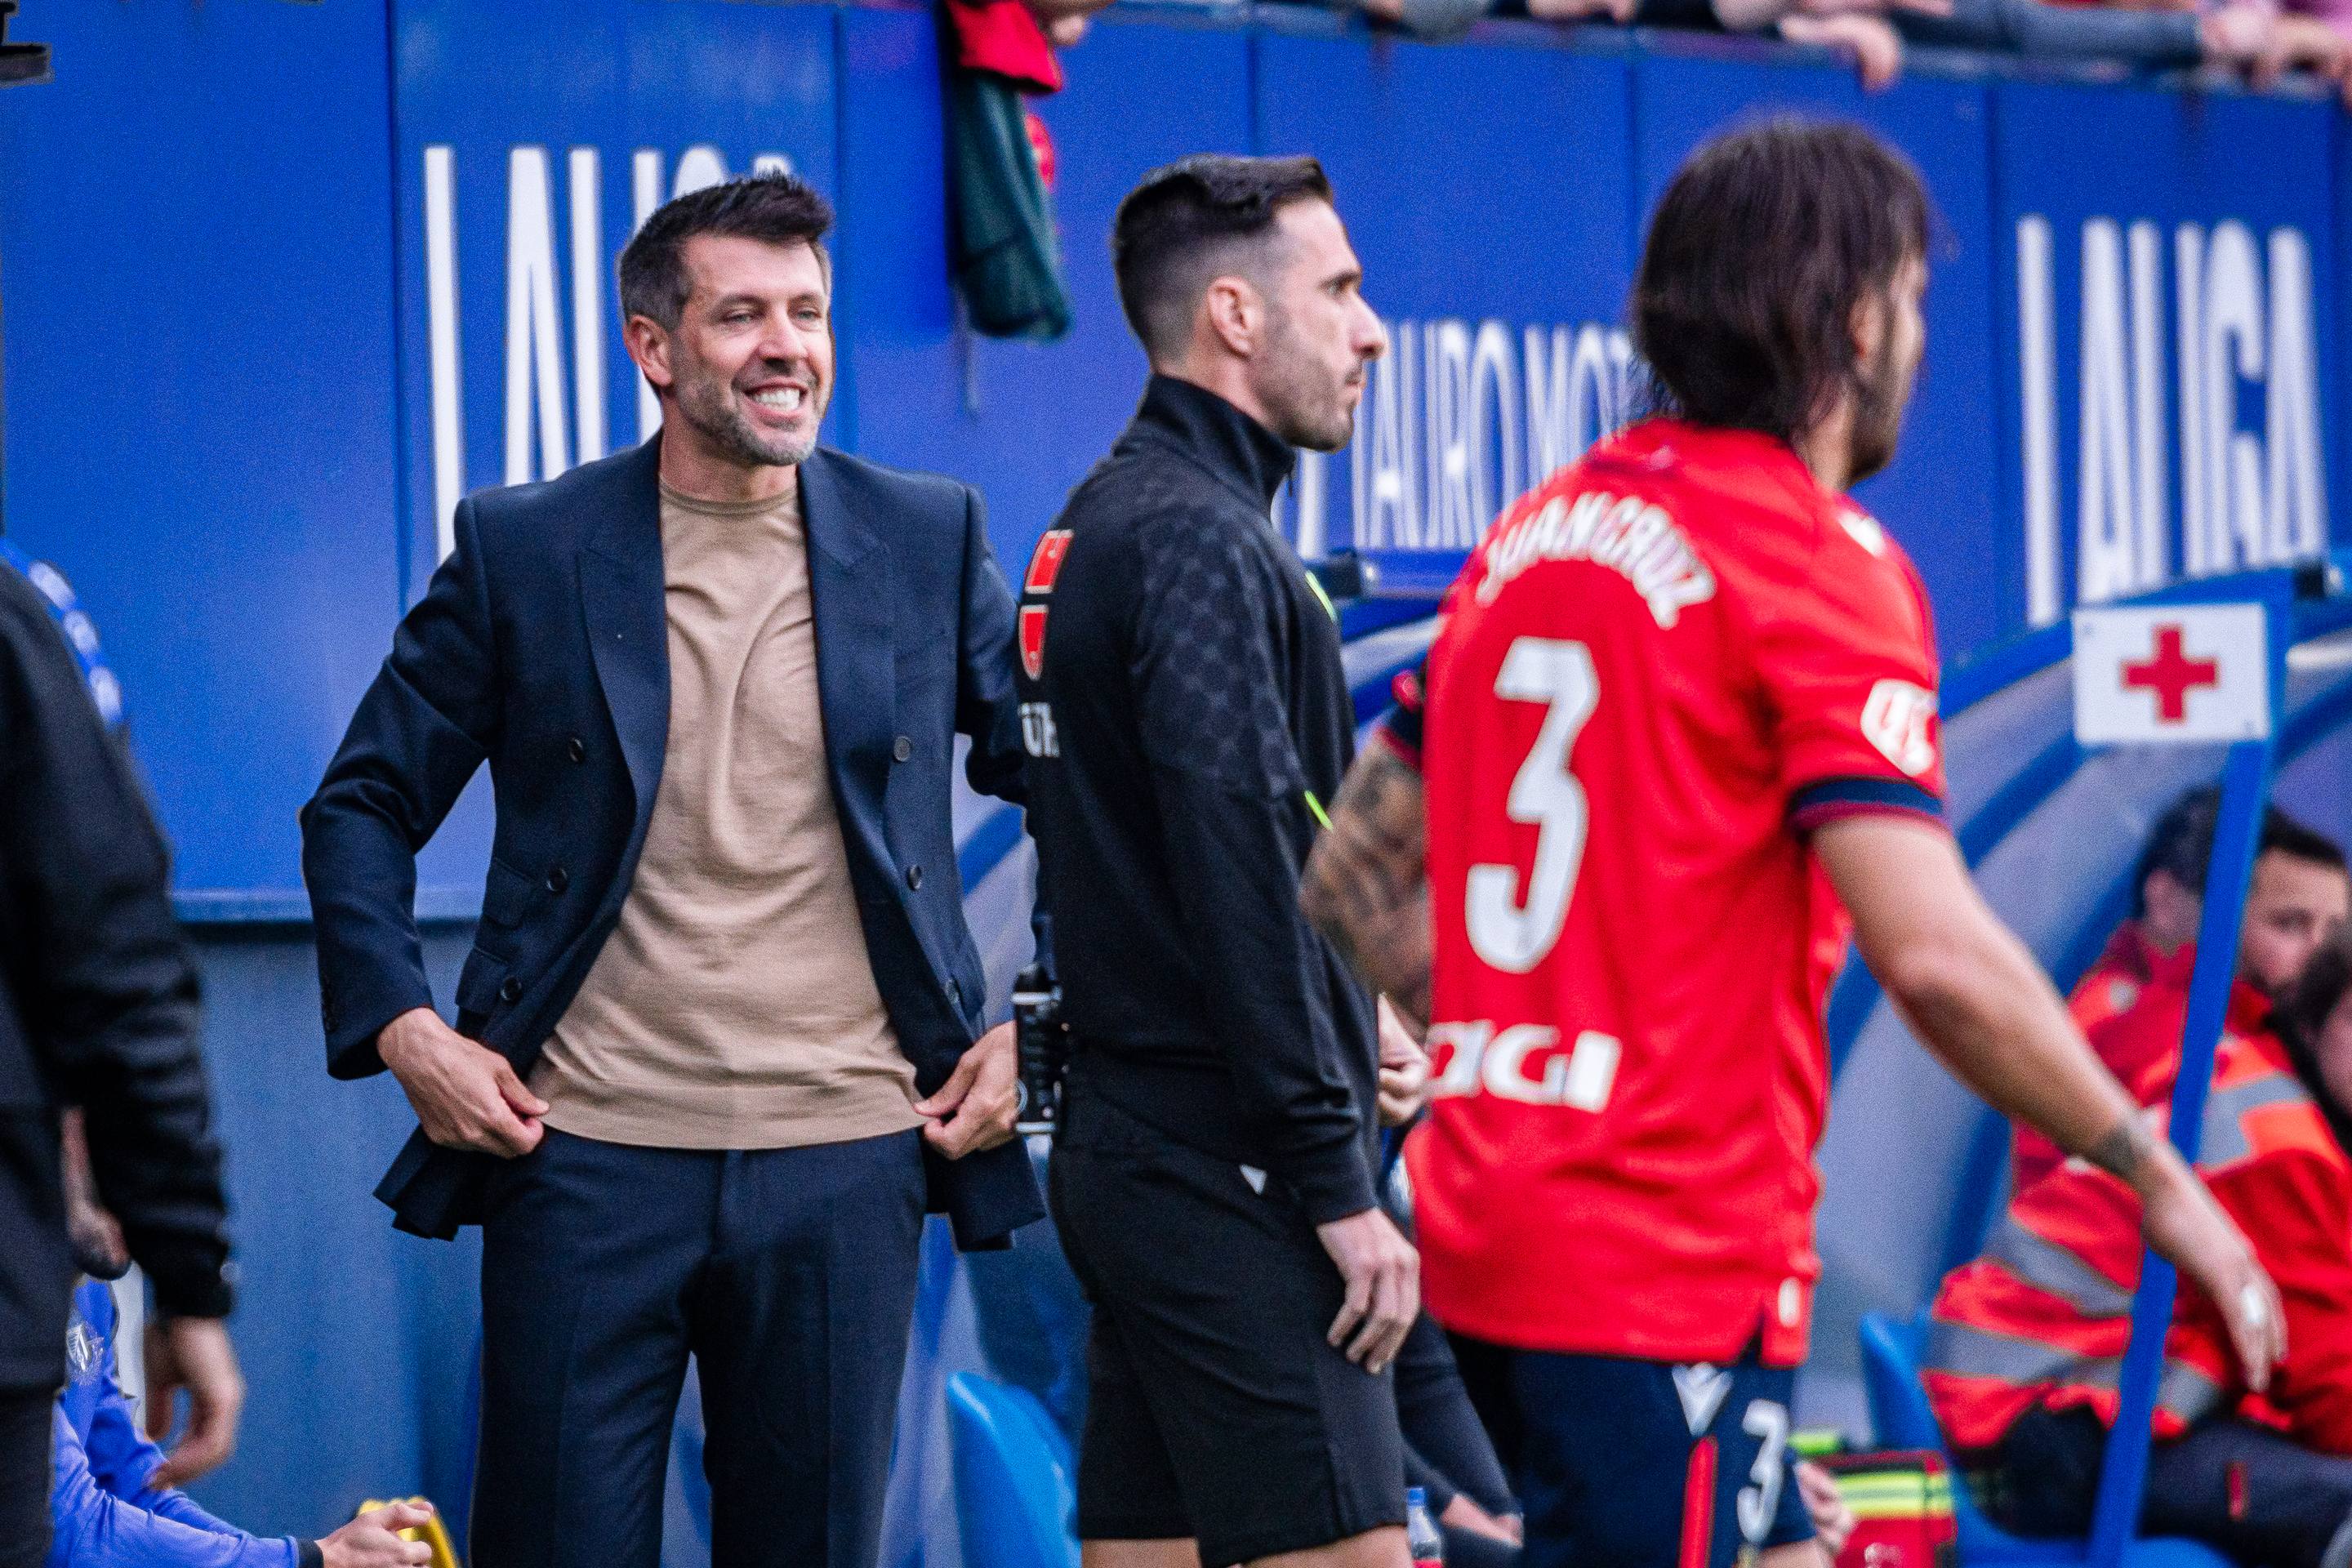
(557, 403)
(2250, 482)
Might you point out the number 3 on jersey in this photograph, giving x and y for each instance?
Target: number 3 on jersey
(1508, 931)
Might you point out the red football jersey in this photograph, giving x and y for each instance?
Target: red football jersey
(1657, 674)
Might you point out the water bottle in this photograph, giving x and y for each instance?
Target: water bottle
(1421, 1538)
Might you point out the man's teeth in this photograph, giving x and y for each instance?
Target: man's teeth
(786, 399)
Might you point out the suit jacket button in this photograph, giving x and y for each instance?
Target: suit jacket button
(902, 748)
(955, 993)
(914, 877)
(576, 749)
(558, 879)
(511, 991)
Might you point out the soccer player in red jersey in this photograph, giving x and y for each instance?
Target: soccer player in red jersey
(1680, 725)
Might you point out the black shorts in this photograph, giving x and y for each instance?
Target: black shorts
(1216, 1409)
(1638, 1463)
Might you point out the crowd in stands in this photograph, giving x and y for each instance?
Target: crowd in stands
(2262, 40)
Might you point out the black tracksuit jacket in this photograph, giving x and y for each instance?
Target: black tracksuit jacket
(1186, 712)
(98, 1008)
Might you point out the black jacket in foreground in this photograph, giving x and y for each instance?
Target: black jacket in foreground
(98, 1008)
(1184, 711)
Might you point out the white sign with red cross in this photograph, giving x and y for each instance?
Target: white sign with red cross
(2188, 672)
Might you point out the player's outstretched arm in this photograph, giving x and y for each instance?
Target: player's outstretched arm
(1366, 888)
(1977, 998)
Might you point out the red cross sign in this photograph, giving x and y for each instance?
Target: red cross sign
(2171, 675)
(2176, 672)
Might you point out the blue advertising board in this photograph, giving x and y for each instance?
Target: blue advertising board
(195, 245)
(2166, 334)
(2134, 344)
(1501, 295)
(1023, 421)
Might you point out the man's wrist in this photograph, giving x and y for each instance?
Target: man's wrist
(393, 1040)
(2136, 1157)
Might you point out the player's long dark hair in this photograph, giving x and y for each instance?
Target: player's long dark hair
(1761, 250)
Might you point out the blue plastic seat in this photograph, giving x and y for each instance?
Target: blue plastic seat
(1014, 1494)
(1899, 1409)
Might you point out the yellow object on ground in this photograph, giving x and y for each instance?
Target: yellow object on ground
(434, 1534)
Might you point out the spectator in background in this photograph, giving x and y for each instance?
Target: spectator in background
(2168, 900)
(2247, 36)
(109, 1507)
(2298, 899)
(2335, 16)
(97, 1007)
(2021, 1343)
(2252, 37)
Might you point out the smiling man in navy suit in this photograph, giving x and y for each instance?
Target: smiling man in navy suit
(715, 1047)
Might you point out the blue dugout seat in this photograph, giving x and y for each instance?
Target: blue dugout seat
(1015, 1496)
(1899, 1410)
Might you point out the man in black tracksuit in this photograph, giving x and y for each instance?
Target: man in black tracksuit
(1186, 715)
(98, 1008)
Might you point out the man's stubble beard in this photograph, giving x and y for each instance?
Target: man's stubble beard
(1878, 405)
(704, 404)
(1293, 396)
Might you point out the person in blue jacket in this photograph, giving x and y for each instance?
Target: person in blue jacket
(105, 1509)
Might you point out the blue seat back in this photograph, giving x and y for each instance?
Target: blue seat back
(1014, 1492)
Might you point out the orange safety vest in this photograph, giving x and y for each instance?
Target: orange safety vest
(2043, 1316)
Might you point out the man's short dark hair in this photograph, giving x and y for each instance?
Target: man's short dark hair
(2180, 844)
(774, 208)
(1191, 221)
(2298, 841)
(1761, 247)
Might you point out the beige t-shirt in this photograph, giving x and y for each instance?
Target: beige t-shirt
(733, 1006)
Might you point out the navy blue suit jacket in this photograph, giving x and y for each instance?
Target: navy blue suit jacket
(542, 649)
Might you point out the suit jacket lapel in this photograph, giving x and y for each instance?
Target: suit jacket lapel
(852, 600)
(621, 599)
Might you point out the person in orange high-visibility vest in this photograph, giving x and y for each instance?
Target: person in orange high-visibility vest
(2297, 892)
(2026, 1342)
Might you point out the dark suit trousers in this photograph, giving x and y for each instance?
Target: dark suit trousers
(25, 1445)
(788, 1273)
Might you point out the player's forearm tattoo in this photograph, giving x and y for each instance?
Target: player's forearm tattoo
(1366, 887)
(2122, 1151)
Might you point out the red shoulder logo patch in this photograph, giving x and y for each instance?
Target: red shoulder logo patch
(1033, 640)
(1046, 563)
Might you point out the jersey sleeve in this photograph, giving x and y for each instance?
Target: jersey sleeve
(1847, 661)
